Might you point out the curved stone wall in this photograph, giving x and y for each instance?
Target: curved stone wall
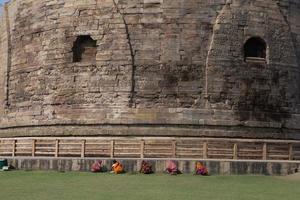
(161, 67)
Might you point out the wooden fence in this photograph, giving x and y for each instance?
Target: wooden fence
(187, 148)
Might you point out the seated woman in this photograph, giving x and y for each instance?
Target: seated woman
(172, 168)
(96, 166)
(146, 168)
(200, 169)
(117, 167)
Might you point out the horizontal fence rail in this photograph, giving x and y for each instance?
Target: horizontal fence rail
(147, 147)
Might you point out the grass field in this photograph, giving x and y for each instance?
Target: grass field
(21, 185)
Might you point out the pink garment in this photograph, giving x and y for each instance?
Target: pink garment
(96, 166)
(172, 167)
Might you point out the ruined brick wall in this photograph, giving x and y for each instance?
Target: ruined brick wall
(161, 67)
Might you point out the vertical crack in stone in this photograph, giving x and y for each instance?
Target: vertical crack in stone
(206, 64)
(285, 19)
(8, 56)
(211, 43)
(132, 91)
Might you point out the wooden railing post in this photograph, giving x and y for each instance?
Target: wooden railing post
(174, 148)
(265, 151)
(142, 148)
(33, 148)
(112, 149)
(291, 153)
(56, 148)
(82, 148)
(14, 148)
(235, 151)
(205, 150)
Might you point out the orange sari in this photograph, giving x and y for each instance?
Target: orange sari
(117, 168)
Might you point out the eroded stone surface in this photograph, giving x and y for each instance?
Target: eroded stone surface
(166, 62)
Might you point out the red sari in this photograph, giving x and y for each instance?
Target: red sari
(146, 168)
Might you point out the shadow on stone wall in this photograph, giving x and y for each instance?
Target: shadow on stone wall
(262, 98)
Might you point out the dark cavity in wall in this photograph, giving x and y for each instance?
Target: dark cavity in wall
(84, 49)
(255, 47)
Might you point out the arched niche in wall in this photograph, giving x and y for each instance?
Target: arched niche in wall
(84, 49)
(255, 49)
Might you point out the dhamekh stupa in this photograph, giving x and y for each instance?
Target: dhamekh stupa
(150, 68)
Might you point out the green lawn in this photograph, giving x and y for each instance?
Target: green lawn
(21, 185)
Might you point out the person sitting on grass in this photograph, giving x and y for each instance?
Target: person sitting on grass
(146, 168)
(172, 168)
(117, 167)
(200, 169)
(96, 166)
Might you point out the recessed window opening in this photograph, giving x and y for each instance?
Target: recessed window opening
(255, 49)
(84, 49)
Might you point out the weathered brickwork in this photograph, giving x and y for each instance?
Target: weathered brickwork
(175, 65)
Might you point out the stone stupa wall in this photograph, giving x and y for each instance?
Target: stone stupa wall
(150, 68)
